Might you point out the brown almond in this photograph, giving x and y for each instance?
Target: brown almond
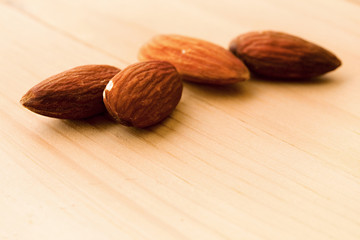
(72, 94)
(143, 94)
(196, 60)
(281, 55)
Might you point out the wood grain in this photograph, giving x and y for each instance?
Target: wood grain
(258, 160)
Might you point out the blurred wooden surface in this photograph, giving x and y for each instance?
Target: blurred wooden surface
(259, 160)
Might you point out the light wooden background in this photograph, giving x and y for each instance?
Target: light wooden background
(259, 160)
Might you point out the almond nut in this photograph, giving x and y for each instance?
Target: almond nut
(196, 60)
(280, 55)
(143, 94)
(72, 94)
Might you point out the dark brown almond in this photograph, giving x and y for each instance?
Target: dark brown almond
(72, 94)
(280, 55)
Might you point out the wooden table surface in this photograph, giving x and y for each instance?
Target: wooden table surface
(257, 160)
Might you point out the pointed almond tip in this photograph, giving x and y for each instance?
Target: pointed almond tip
(25, 100)
(244, 72)
(338, 63)
(333, 63)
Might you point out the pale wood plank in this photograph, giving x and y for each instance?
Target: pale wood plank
(232, 163)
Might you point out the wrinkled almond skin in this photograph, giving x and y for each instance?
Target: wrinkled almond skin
(196, 60)
(72, 94)
(284, 56)
(143, 94)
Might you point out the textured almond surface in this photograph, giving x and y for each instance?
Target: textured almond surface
(72, 94)
(144, 93)
(196, 60)
(280, 55)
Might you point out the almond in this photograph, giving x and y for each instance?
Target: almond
(72, 94)
(196, 60)
(280, 55)
(143, 94)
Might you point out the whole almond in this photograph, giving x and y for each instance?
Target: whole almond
(143, 94)
(196, 60)
(72, 94)
(281, 55)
